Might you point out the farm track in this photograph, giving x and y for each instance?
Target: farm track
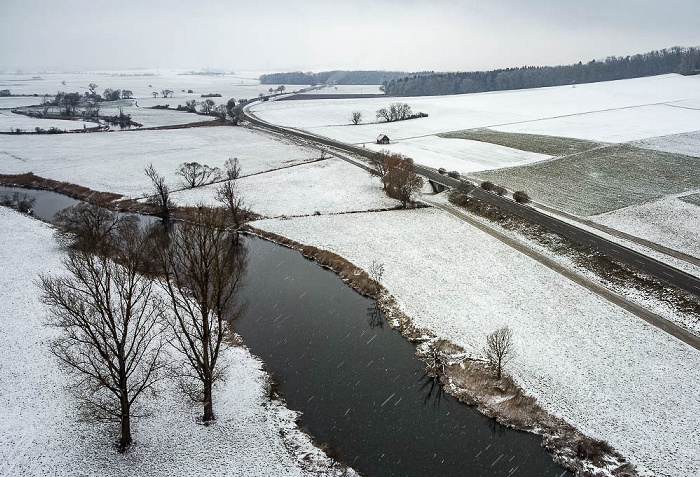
(607, 247)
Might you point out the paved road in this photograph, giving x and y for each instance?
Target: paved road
(623, 254)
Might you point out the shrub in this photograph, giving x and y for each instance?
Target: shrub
(521, 197)
(487, 185)
(442, 170)
(500, 190)
(453, 174)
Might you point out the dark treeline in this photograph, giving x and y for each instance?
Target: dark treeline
(672, 60)
(333, 77)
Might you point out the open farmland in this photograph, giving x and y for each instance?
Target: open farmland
(602, 179)
(329, 186)
(685, 143)
(691, 199)
(114, 162)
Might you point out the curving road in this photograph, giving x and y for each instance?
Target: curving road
(623, 254)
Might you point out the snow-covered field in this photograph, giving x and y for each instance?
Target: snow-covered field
(10, 121)
(685, 143)
(329, 186)
(15, 102)
(668, 221)
(114, 162)
(575, 353)
(460, 154)
(497, 109)
(39, 433)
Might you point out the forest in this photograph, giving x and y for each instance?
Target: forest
(672, 60)
(334, 77)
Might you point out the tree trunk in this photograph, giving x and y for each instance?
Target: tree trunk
(125, 438)
(208, 404)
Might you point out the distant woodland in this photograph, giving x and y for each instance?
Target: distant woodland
(334, 77)
(672, 60)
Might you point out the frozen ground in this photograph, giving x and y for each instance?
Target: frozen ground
(114, 162)
(575, 353)
(328, 186)
(498, 109)
(460, 155)
(39, 433)
(152, 117)
(668, 221)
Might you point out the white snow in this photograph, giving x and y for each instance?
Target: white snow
(114, 162)
(687, 143)
(331, 117)
(328, 186)
(39, 433)
(605, 371)
(461, 155)
(10, 121)
(668, 221)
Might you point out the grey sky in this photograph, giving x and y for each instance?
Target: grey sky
(314, 35)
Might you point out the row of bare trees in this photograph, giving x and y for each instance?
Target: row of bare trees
(134, 297)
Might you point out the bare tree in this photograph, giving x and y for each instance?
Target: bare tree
(401, 181)
(166, 93)
(356, 117)
(499, 349)
(376, 273)
(155, 94)
(202, 270)
(127, 94)
(161, 193)
(89, 226)
(110, 321)
(195, 174)
(191, 106)
(207, 106)
(93, 88)
(230, 197)
(232, 168)
(383, 113)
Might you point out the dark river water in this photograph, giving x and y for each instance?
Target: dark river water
(357, 382)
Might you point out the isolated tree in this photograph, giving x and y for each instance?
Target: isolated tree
(110, 321)
(127, 94)
(93, 88)
(155, 94)
(160, 197)
(203, 266)
(521, 197)
(89, 227)
(356, 117)
(191, 106)
(401, 180)
(499, 349)
(166, 93)
(233, 111)
(232, 168)
(376, 273)
(195, 174)
(207, 106)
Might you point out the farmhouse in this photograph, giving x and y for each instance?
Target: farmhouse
(383, 139)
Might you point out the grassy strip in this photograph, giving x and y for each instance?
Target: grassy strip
(472, 382)
(550, 145)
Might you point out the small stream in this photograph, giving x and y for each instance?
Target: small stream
(356, 381)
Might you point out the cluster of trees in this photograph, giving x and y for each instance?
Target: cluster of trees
(279, 90)
(231, 111)
(672, 60)
(398, 175)
(134, 298)
(398, 112)
(332, 77)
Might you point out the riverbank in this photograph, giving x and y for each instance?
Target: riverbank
(469, 379)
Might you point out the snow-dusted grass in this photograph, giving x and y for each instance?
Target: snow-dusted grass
(669, 221)
(114, 162)
(607, 372)
(450, 113)
(602, 179)
(687, 143)
(460, 154)
(329, 186)
(39, 434)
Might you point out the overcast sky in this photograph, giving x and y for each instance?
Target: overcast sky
(313, 35)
